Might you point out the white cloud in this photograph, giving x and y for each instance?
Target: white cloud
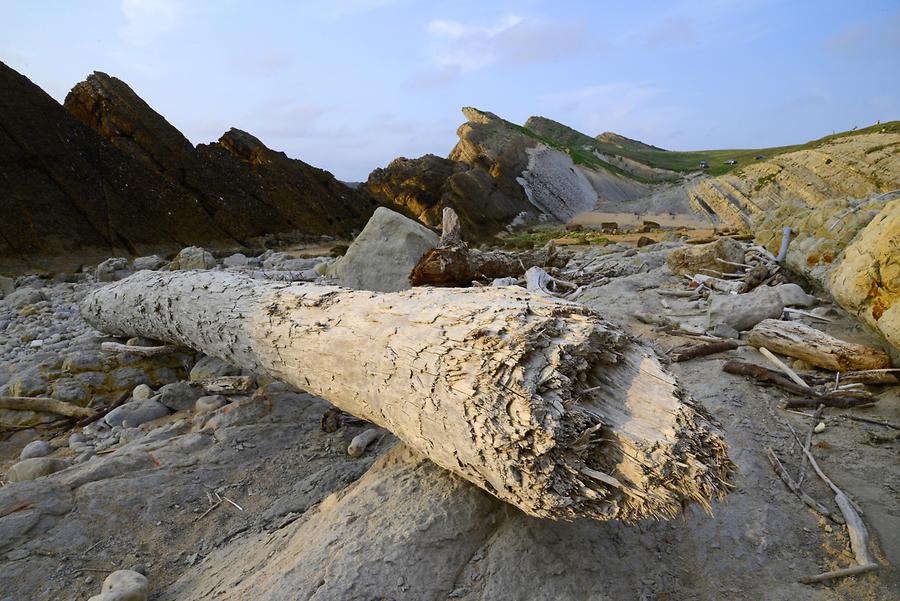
(144, 19)
(462, 48)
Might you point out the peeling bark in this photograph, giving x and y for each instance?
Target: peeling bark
(540, 402)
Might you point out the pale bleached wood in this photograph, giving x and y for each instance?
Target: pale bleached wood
(139, 351)
(523, 395)
(817, 348)
(44, 405)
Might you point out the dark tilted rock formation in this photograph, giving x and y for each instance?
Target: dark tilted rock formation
(247, 188)
(496, 173)
(65, 188)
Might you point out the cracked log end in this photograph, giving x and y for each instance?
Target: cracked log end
(538, 401)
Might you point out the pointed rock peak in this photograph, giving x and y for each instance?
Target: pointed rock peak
(473, 114)
(245, 146)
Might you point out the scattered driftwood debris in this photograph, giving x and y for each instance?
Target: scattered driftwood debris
(539, 402)
(453, 263)
(687, 352)
(816, 347)
(811, 397)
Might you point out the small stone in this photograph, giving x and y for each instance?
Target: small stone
(629, 253)
(152, 263)
(113, 269)
(22, 297)
(141, 392)
(36, 343)
(723, 330)
(235, 260)
(76, 439)
(793, 295)
(820, 427)
(131, 434)
(206, 404)
(36, 448)
(89, 579)
(179, 396)
(123, 585)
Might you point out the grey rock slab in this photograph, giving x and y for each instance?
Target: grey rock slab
(743, 311)
(179, 396)
(136, 413)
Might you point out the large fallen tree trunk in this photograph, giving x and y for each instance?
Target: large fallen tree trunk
(540, 402)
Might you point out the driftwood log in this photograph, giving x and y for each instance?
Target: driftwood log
(540, 402)
(44, 405)
(816, 347)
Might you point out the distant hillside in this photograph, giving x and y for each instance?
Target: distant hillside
(623, 143)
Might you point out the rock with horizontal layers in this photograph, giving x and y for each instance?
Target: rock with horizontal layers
(123, 585)
(701, 258)
(384, 254)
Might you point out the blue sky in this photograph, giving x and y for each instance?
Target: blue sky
(348, 85)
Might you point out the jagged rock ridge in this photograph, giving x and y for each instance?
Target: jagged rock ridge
(66, 189)
(246, 188)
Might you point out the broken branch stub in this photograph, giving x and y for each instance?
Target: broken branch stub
(540, 402)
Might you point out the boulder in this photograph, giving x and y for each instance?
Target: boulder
(36, 467)
(208, 368)
(178, 396)
(645, 241)
(694, 259)
(36, 448)
(112, 269)
(123, 585)
(136, 413)
(383, 255)
(193, 257)
(23, 297)
(743, 311)
(150, 262)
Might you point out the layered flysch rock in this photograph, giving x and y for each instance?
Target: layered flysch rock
(496, 173)
(245, 187)
(66, 189)
(837, 199)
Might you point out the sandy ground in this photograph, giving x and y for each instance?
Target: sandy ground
(318, 525)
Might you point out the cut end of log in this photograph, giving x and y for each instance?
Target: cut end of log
(538, 401)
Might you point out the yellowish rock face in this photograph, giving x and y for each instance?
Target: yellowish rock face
(867, 280)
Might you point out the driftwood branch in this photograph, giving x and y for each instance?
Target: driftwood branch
(701, 350)
(817, 348)
(795, 488)
(44, 405)
(540, 402)
(140, 351)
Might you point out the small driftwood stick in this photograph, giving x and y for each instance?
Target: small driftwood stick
(795, 487)
(701, 350)
(44, 405)
(761, 374)
(841, 402)
(808, 444)
(140, 351)
(361, 441)
(817, 348)
(859, 418)
(856, 530)
(780, 365)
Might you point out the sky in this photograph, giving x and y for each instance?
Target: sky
(348, 85)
